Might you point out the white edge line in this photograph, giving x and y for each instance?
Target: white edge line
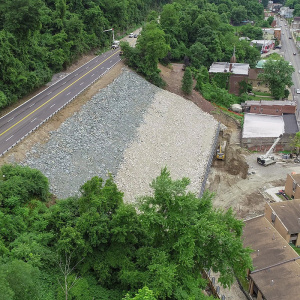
(98, 56)
(57, 109)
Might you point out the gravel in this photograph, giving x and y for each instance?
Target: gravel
(130, 129)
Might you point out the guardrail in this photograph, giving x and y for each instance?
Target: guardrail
(44, 121)
(210, 159)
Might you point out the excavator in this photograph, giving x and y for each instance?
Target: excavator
(267, 159)
(221, 151)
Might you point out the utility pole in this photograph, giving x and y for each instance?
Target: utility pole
(111, 29)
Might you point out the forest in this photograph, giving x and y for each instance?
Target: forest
(41, 37)
(199, 33)
(97, 247)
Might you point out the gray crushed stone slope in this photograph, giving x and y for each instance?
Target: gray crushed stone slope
(176, 134)
(93, 140)
(131, 129)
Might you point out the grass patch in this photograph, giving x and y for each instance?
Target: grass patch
(244, 283)
(297, 249)
(285, 152)
(260, 98)
(274, 56)
(262, 94)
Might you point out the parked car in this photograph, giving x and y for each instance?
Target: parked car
(290, 37)
(131, 35)
(298, 91)
(136, 35)
(294, 53)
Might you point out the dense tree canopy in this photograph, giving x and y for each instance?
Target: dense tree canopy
(278, 74)
(157, 253)
(40, 37)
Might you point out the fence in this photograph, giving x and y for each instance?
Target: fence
(210, 159)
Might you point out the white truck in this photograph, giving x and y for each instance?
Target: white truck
(115, 45)
(268, 159)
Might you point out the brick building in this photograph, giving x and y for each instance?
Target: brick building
(292, 186)
(270, 107)
(285, 218)
(260, 131)
(238, 72)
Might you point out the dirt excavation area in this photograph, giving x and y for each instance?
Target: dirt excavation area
(238, 181)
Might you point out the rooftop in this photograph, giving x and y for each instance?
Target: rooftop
(270, 103)
(262, 42)
(258, 125)
(260, 64)
(223, 67)
(290, 123)
(281, 281)
(289, 213)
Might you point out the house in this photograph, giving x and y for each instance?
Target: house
(256, 83)
(286, 12)
(277, 33)
(270, 107)
(276, 273)
(285, 218)
(292, 186)
(238, 72)
(260, 131)
(296, 23)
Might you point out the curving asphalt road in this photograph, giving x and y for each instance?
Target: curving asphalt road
(27, 117)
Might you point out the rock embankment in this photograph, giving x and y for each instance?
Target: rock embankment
(130, 129)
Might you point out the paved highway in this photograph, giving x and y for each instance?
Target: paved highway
(27, 117)
(289, 48)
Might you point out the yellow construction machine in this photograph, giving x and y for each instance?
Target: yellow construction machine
(221, 151)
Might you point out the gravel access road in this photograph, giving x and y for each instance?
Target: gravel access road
(130, 129)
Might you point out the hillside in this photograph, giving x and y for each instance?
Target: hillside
(131, 129)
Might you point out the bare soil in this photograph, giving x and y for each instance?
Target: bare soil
(238, 182)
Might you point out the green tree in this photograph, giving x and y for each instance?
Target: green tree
(152, 45)
(202, 78)
(150, 48)
(238, 14)
(28, 19)
(143, 294)
(295, 143)
(23, 183)
(296, 11)
(187, 82)
(278, 74)
(265, 3)
(270, 20)
(21, 280)
(185, 235)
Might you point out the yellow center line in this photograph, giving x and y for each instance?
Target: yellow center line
(57, 95)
